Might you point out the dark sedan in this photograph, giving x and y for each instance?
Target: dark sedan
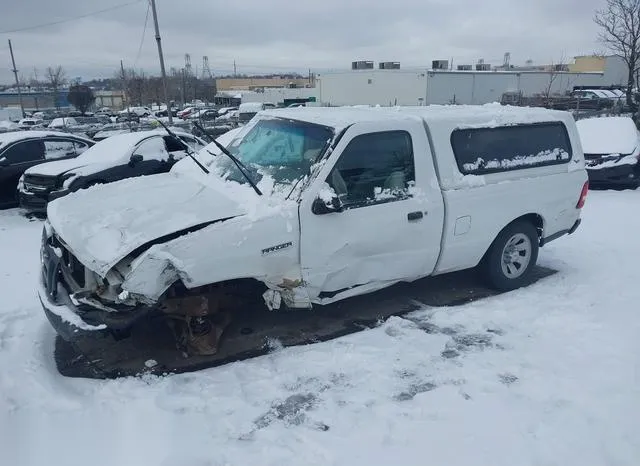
(22, 150)
(115, 158)
(611, 148)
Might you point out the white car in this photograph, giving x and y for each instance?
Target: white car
(315, 205)
(63, 122)
(28, 123)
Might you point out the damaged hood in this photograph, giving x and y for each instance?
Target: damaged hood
(104, 224)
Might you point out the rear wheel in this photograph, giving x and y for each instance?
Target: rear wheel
(511, 258)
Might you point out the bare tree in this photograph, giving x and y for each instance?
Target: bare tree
(34, 80)
(620, 32)
(554, 71)
(56, 78)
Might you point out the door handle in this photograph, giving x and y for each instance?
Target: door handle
(411, 216)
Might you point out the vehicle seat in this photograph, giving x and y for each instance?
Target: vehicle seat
(338, 184)
(396, 181)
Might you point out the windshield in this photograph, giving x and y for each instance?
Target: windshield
(280, 149)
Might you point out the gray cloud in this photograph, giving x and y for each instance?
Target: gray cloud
(278, 35)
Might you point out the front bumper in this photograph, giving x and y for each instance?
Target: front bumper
(37, 202)
(33, 202)
(615, 176)
(71, 319)
(62, 315)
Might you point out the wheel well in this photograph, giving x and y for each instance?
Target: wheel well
(535, 219)
(241, 293)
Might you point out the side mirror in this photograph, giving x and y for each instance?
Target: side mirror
(135, 159)
(321, 207)
(4, 162)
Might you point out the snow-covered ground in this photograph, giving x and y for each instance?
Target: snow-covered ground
(548, 375)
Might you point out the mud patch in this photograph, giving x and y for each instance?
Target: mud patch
(468, 342)
(414, 390)
(507, 378)
(291, 411)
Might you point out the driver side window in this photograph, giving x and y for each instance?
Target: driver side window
(374, 168)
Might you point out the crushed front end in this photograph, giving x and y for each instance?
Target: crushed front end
(79, 303)
(68, 293)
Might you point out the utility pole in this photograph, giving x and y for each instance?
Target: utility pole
(15, 73)
(182, 74)
(235, 74)
(162, 70)
(124, 86)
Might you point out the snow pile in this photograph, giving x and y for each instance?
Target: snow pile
(517, 161)
(8, 126)
(543, 375)
(608, 135)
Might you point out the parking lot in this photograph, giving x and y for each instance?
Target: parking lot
(542, 375)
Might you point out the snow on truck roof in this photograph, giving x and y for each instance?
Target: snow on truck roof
(488, 115)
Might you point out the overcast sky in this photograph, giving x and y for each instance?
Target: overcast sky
(282, 35)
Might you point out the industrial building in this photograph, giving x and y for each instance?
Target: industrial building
(279, 96)
(468, 84)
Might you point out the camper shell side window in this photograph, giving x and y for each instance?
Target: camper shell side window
(480, 151)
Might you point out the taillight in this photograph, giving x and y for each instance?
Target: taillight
(583, 195)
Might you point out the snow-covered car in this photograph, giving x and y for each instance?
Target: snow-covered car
(611, 148)
(310, 206)
(118, 157)
(138, 111)
(230, 116)
(206, 114)
(23, 149)
(111, 130)
(28, 123)
(63, 122)
(248, 110)
(7, 126)
(185, 112)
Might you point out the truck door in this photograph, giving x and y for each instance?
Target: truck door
(389, 220)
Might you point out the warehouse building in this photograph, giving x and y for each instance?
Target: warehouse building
(387, 85)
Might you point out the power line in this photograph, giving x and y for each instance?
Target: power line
(53, 23)
(144, 30)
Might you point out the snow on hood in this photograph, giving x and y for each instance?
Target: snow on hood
(608, 135)
(103, 224)
(55, 168)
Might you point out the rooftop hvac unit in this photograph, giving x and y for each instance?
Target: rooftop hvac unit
(389, 65)
(362, 65)
(440, 64)
(465, 67)
(483, 67)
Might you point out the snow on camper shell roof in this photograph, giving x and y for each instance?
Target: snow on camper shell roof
(487, 115)
(8, 138)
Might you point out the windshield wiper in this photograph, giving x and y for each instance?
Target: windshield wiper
(186, 146)
(241, 167)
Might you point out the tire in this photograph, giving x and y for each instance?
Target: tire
(510, 260)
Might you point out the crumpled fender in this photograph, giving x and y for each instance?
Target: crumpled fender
(265, 249)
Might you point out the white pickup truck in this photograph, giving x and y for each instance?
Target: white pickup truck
(320, 204)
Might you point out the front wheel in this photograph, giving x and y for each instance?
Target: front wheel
(509, 261)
